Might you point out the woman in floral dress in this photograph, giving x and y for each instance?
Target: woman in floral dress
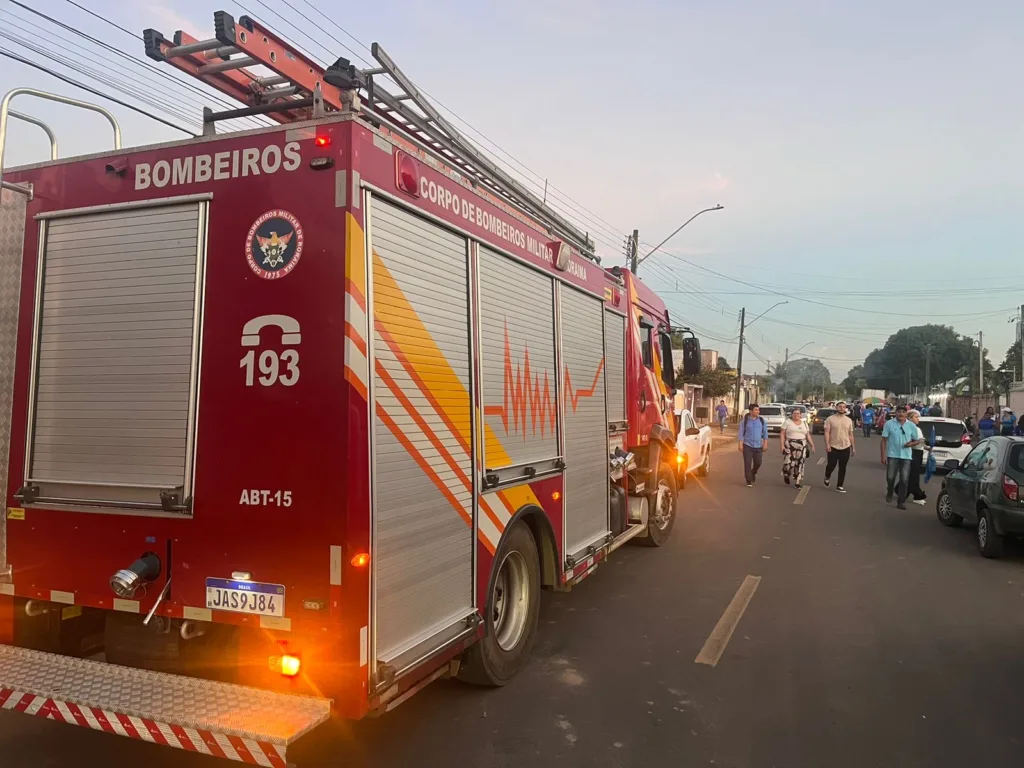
(796, 443)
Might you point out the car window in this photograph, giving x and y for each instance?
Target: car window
(947, 433)
(824, 413)
(977, 458)
(688, 422)
(1016, 461)
(771, 410)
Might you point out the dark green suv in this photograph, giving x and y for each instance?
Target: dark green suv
(985, 489)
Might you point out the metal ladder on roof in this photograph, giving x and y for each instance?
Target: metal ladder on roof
(300, 89)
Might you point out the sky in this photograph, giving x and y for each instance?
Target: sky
(857, 148)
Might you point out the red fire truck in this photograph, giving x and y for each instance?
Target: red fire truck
(295, 420)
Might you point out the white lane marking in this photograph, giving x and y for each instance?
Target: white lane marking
(821, 461)
(800, 497)
(715, 645)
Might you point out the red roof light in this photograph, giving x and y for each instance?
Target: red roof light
(407, 176)
(322, 141)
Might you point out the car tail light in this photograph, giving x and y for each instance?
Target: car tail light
(965, 438)
(1010, 488)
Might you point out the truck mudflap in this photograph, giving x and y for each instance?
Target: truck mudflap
(235, 722)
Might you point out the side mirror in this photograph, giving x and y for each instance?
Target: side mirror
(951, 464)
(691, 356)
(692, 432)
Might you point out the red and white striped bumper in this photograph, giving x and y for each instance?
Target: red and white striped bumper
(228, 721)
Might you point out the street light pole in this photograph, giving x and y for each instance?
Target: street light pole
(674, 233)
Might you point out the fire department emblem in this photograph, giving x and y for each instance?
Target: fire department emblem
(274, 244)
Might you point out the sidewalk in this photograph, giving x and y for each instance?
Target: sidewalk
(720, 441)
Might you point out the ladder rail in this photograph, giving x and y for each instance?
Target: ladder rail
(301, 89)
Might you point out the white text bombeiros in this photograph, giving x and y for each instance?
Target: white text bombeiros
(251, 161)
(461, 206)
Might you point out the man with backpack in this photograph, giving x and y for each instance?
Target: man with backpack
(753, 442)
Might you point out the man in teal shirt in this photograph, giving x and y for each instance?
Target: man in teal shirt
(899, 437)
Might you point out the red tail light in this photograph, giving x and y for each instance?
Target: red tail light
(407, 175)
(1010, 488)
(965, 438)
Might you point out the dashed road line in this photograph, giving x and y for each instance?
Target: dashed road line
(802, 496)
(715, 645)
(821, 461)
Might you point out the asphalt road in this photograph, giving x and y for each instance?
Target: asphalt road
(875, 637)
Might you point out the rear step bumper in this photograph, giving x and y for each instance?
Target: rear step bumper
(249, 725)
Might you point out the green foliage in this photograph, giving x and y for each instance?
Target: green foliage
(854, 382)
(723, 364)
(801, 376)
(716, 383)
(900, 364)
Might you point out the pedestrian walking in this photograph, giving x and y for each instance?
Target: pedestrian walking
(1020, 426)
(721, 413)
(1007, 422)
(839, 445)
(914, 490)
(796, 444)
(867, 420)
(898, 440)
(935, 410)
(753, 442)
(987, 424)
(855, 413)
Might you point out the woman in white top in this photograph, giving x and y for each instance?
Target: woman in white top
(796, 443)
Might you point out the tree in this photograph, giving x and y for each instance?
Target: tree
(723, 364)
(716, 383)
(855, 381)
(918, 355)
(800, 376)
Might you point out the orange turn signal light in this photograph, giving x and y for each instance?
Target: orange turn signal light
(555, 495)
(287, 665)
(361, 560)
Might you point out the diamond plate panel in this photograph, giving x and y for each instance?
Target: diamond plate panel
(234, 710)
(12, 239)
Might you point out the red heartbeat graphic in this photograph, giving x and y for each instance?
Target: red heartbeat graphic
(528, 395)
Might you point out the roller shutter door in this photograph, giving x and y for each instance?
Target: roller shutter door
(517, 350)
(615, 364)
(114, 360)
(586, 421)
(422, 460)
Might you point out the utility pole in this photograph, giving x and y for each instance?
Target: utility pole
(981, 365)
(739, 362)
(632, 247)
(927, 370)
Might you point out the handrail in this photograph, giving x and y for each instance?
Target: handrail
(5, 110)
(41, 124)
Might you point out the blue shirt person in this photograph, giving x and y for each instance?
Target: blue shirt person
(868, 415)
(753, 442)
(898, 439)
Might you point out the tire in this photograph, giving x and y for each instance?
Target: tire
(705, 468)
(682, 475)
(510, 622)
(658, 533)
(944, 511)
(990, 543)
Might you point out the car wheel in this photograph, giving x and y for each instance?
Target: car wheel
(681, 475)
(705, 468)
(944, 511)
(990, 543)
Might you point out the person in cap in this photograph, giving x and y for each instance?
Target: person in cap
(899, 437)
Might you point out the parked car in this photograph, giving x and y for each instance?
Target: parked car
(985, 489)
(774, 417)
(693, 449)
(797, 407)
(818, 420)
(952, 439)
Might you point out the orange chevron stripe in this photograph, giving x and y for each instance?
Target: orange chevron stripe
(353, 379)
(414, 413)
(353, 334)
(401, 437)
(353, 290)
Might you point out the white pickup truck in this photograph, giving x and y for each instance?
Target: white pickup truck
(693, 449)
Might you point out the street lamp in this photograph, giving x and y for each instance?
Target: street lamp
(677, 230)
(773, 306)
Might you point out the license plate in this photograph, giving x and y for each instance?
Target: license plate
(245, 597)
(939, 453)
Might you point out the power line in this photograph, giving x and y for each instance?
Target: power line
(148, 66)
(15, 57)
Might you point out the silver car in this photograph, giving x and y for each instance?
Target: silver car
(774, 417)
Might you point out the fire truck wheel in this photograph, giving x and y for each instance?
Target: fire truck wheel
(512, 613)
(663, 513)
